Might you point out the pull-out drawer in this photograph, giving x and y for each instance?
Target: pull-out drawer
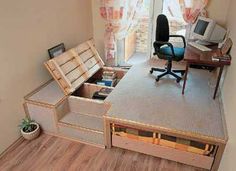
(162, 145)
(163, 152)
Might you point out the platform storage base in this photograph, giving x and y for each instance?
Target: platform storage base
(167, 145)
(66, 107)
(77, 117)
(163, 152)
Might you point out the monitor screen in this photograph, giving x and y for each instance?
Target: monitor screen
(201, 27)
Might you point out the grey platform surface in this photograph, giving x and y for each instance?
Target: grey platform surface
(50, 94)
(139, 98)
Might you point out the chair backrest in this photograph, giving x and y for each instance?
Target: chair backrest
(162, 28)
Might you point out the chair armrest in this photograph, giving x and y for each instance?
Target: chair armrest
(165, 43)
(180, 36)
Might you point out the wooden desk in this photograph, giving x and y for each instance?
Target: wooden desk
(197, 57)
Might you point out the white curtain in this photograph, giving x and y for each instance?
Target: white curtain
(120, 17)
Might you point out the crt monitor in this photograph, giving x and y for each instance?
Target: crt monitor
(206, 31)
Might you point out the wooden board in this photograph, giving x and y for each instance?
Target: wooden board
(88, 106)
(130, 45)
(72, 68)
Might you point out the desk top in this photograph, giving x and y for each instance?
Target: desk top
(138, 98)
(196, 56)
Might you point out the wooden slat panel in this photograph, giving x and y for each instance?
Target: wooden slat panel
(75, 74)
(75, 66)
(86, 55)
(69, 66)
(50, 64)
(62, 83)
(63, 58)
(56, 74)
(63, 77)
(93, 70)
(90, 44)
(77, 82)
(90, 63)
(163, 152)
(81, 48)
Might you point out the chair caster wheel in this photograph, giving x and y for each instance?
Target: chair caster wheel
(157, 79)
(178, 80)
(151, 71)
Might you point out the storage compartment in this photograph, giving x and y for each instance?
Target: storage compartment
(98, 77)
(72, 108)
(80, 117)
(89, 91)
(185, 157)
(81, 110)
(164, 140)
(164, 146)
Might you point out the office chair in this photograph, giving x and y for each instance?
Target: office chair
(165, 50)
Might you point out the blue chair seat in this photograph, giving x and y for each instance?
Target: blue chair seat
(179, 53)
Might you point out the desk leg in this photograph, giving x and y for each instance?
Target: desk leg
(218, 81)
(107, 133)
(185, 77)
(218, 157)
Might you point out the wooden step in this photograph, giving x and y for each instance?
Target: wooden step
(85, 121)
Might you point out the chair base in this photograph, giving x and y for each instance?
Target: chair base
(168, 72)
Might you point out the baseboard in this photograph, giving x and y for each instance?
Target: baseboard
(12, 146)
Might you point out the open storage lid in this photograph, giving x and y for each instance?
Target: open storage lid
(72, 68)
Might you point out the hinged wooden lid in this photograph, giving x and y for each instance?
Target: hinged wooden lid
(72, 68)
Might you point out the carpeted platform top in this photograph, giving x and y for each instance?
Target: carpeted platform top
(50, 94)
(139, 98)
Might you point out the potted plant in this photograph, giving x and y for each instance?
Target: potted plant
(29, 129)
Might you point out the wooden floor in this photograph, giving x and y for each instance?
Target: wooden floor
(48, 153)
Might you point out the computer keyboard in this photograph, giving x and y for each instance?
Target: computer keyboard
(200, 47)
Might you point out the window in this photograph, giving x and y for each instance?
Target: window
(172, 9)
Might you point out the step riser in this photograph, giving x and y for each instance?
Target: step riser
(84, 121)
(89, 107)
(81, 135)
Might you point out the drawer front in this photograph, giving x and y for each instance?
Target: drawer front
(163, 152)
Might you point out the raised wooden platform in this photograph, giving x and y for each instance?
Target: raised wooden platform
(138, 113)
(139, 102)
(138, 98)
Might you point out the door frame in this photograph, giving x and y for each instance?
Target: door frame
(156, 8)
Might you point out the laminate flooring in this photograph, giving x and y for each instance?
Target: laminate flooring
(49, 153)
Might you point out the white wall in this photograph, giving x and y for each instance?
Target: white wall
(229, 97)
(27, 30)
(99, 28)
(218, 9)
